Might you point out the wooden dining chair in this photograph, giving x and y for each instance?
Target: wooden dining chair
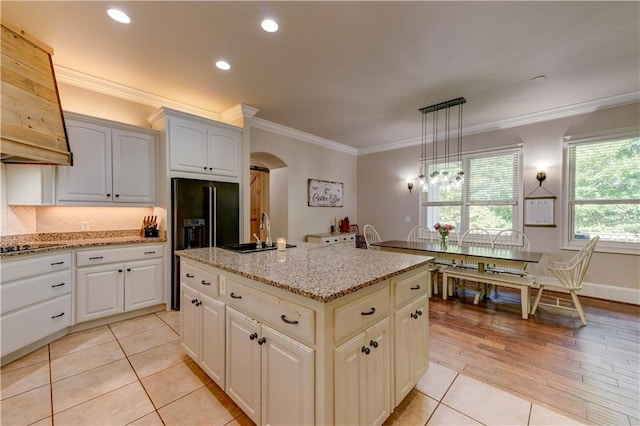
(569, 276)
(420, 234)
(371, 236)
(510, 239)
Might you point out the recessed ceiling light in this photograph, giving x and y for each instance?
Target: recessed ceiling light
(223, 65)
(539, 78)
(119, 16)
(269, 25)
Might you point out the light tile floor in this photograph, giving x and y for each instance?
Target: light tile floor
(134, 372)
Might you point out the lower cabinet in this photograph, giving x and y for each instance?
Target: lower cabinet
(411, 345)
(362, 377)
(202, 322)
(114, 286)
(269, 375)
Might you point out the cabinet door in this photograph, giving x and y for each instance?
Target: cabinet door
(190, 319)
(243, 363)
(287, 380)
(100, 291)
(89, 179)
(224, 151)
(143, 284)
(378, 373)
(350, 382)
(134, 167)
(212, 356)
(411, 350)
(188, 146)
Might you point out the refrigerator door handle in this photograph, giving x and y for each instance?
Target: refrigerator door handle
(213, 210)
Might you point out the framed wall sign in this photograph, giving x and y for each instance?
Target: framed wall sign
(540, 211)
(323, 193)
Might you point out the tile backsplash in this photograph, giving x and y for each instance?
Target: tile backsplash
(28, 219)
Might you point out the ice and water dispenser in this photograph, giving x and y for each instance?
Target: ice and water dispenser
(194, 230)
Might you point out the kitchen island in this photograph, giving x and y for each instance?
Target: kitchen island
(311, 335)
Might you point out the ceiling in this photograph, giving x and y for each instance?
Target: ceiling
(353, 72)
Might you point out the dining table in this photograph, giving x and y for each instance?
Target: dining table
(458, 258)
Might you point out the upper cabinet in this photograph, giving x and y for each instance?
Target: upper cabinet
(112, 164)
(200, 148)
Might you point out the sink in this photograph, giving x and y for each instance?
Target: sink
(250, 247)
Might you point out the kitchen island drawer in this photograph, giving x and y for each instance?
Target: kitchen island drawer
(411, 287)
(25, 267)
(20, 293)
(28, 325)
(112, 255)
(290, 318)
(357, 315)
(199, 279)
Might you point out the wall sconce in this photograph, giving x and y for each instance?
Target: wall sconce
(410, 184)
(541, 175)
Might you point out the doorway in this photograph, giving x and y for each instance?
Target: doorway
(259, 189)
(269, 193)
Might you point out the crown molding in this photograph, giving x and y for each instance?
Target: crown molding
(270, 126)
(522, 120)
(117, 90)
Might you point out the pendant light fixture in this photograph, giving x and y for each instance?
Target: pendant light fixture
(444, 176)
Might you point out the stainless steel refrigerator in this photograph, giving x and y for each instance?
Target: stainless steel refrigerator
(204, 214)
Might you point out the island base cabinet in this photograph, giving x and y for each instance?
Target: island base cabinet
(411, 346)
(269, 375)
(362, 377)
(202, 336)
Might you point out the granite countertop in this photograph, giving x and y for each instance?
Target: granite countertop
(320, 272)
(51, 242)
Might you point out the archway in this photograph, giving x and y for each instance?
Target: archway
(269, 189)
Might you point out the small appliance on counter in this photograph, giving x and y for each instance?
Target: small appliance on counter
(150, 227)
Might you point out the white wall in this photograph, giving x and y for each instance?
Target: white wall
(384, 200)
(308, 161)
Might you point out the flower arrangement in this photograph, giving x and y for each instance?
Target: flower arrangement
(443, 229)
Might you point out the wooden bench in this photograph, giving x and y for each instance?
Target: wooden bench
(523, 283)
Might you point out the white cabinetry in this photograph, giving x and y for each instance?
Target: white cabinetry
(35, 296)
(201, 148)
(269, 375)
(348, 238)
(110, 281)
(31, 185)
(202, 321)
(112, 164)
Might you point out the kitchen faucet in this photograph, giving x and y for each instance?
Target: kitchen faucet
(265, 223)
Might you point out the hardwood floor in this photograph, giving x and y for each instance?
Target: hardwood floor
(591, 372)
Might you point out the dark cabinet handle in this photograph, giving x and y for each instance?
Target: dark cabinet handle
(284, 318)
(149, 252)
(371, 312)
(262, 341)
(253, 336)
(233, 296)
(203, 282)
(57, 316)
(373, 343)
(57, 263)
(366, 350)
(58, 285)
(189, 275)
(96, 257)
(416, 287)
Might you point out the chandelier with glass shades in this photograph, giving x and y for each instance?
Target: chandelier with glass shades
(441, 119)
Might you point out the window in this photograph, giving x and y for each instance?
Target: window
(604, 189)
(488, 197)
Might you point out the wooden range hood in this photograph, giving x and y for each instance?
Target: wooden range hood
(32, 125)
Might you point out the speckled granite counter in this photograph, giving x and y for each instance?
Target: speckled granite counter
(323, 273)
(50, 242)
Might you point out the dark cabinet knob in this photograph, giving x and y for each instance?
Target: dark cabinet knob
(253, 336)
(128, 269)
(414, 316)
(373, 343)
(366, 350)
(419, 312)
(205, 167)
(262, 341)
(194, 300)
(119, 270)
(117, 195)
(108, 195)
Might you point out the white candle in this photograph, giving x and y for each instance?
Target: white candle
(282, 244)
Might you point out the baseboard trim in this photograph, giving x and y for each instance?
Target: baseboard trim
(609, 292)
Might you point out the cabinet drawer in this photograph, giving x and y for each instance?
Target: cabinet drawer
(360, 313)
(34, 265)
(348, 238)
(290, 318)
(199, 279)
(28, 325)
(412, 287)
(20, 293)
(111, 255)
